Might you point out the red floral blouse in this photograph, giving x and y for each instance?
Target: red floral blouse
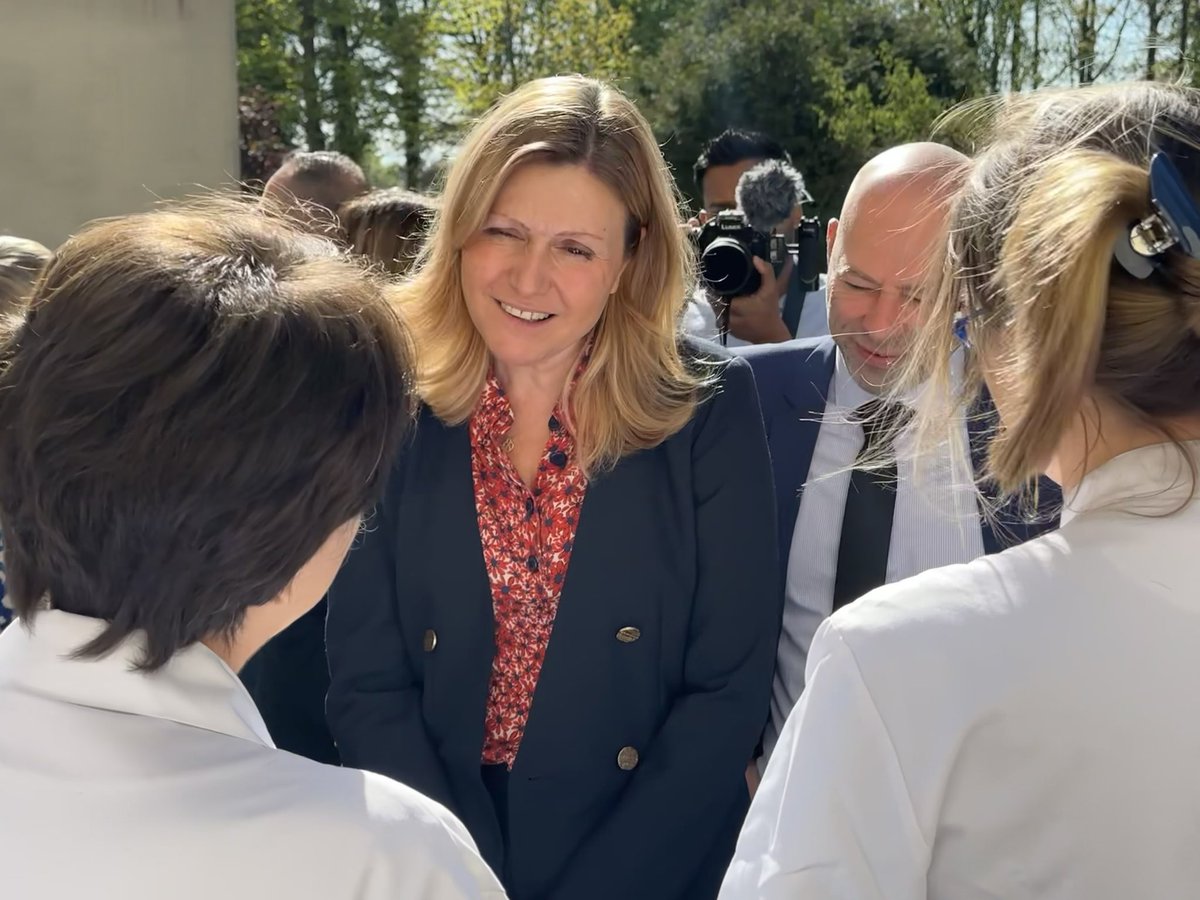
(527, 537)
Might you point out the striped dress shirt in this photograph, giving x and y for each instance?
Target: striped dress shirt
(936, 523)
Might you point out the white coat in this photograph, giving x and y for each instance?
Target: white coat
(1023, 726)
(118, 785)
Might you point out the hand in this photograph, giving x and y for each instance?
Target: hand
(756, 317)
(695, 221)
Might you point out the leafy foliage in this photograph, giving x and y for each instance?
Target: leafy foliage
(394, 82)
(263, 145)
(493, 46)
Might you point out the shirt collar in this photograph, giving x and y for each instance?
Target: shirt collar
(493, 415)
(847, 394)
(1148, 481)
(194, 688)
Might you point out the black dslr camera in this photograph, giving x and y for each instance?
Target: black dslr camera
(726, 246)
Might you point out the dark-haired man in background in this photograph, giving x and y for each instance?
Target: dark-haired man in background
(781, 308)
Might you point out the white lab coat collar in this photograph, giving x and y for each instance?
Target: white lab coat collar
(1154, 480)
(194, 688)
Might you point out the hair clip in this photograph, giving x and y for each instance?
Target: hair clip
(960, 329)
(1175, 222)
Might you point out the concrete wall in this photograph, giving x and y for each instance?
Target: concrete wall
(110, 104)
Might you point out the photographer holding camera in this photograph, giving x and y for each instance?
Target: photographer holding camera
(760, 259)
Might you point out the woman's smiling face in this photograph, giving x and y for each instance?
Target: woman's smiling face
(539, 272)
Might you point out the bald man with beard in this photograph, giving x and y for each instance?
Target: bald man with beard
(844, 531)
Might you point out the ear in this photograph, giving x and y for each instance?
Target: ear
(830, 236)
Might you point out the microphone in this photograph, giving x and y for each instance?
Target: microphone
(768, 193)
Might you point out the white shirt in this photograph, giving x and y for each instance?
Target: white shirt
(936, 523)
(116, 785)
(1024, 726)
(700, 319)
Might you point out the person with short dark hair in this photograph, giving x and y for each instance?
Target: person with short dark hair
(311, 185)
(783, 306)
(725, 159)
(194, 415)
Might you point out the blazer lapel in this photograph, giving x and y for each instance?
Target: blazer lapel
(792, 437)
(443, 501)
(1008, 524)
(607, 575)
(791, 440)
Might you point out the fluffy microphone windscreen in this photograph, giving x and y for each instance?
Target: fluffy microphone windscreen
(768, 193)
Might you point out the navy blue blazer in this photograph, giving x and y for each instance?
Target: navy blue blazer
(288, 679)
(793, 381)
(678, 542)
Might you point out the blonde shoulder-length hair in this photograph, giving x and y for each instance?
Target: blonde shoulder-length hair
(637, 389)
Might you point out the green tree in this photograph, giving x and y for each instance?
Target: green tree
(262, 142)
(406, 87)
(833, 81)
(267, 70)
(863, 123)
(307, 57)
(651, 22)
(351, 114)
(491, 47)
(1184, 30)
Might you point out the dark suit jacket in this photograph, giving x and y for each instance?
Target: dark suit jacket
(288, 679)
(793, 381)
(677, 541)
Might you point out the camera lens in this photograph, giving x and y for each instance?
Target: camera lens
(727, 269)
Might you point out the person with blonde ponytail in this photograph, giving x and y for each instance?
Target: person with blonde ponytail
(562, 620)
(1025, 725)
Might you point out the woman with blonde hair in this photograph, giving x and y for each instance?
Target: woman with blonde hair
(562, 621)
(1025, 725)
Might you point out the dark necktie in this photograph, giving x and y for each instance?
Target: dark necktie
(870, 504)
